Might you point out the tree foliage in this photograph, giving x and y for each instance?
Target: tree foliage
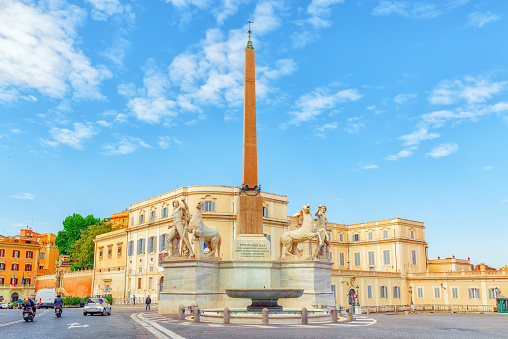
(73, 225)
(82, 250)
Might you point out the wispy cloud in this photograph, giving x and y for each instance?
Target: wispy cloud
(418, 136)
(472, 90)
(319, 101)
(103, 9)
(402, 99)
(39, 52)
(166, 142)
(354, 125)
(487, 168)
(443, 150)
(503, 201)
(402, 154)
(28, 196)
(368, 166)
(126, 145)
(416, 10)
(322, 130)
(119, 47)
(72, 138)
(479, 19)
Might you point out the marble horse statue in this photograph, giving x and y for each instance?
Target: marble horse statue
(308, 231)
(209, 235)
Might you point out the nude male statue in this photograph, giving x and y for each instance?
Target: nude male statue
(181, 217)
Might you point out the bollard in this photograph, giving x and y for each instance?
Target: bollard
(305, 316)
(334, 315)
(192, 307)
(181, 312)
(264, 316)
(367, 311)
(227, 319)
(196, 315)
(349, 313)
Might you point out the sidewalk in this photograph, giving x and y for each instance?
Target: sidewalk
(137, 307)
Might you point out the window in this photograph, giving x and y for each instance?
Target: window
(370, 235)
(413, 257)
(123, 221)
(493, 292)
(341, 259)
(130, 250)
(141, 246)
(130, 272)
(150, 283)
(114, 222)
(2, 253)
(2, 266)
(455, 293)
(110, 251)
(265, 212)
(341, 237)
(43, 255)
(28, 281)
(152, 244)
(209, 206)
(41, 267)
(419, 292)
(140, 269)
(356, 237)
(152, 216)
(132, 220)
(29, 254)
(383, 292)
(164, 212)
(357, 259)
(15, 254)
(163, 242)
(385, 234)
(151, 268)
(14, 281)
(15, 267)
(386, 257)
(372, 258)
(100, 252)
(119, 249)
(396, 292)
(1, 280)
(437, 292)
(412, 234)
(28, 267)
(141, 218)
(139, 283)
(369, 291)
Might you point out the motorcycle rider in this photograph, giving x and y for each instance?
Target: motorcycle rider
(58, 302)
(29, 303)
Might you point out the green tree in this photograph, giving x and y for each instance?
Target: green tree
(82, 250)
(73, 225)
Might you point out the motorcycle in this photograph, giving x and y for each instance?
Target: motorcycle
(28, 313)
(58, 311)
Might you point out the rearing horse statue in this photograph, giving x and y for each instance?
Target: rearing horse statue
(307, 231)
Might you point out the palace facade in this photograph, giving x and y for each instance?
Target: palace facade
(376, 264)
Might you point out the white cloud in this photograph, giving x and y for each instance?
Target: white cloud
(15, 130)
(72, 138)
(354, 125)
(228, 8)
(126, 145)
(321, 131)
(103, 9)
(415, 10)
(487, 168)
(366, 167)
(104, 123)
(119, 47)
(479, 19)
(28, 196)
(471, 90)
(166, 142)
(39, 52)
(503, 201)
(402, 154)
(418, 136)
(443, 150)
(319, 101)
(402, 99)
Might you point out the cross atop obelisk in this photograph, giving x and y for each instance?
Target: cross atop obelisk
(250, 210)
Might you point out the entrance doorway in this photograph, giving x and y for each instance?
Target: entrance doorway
(14, 297)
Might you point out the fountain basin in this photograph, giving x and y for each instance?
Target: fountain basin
(264, 297)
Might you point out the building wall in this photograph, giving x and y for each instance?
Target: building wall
(75, 284)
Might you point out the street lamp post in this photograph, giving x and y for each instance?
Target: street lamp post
(357, 296)
(411, 295)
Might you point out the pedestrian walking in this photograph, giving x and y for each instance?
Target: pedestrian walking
(134, 299)
(148, 302)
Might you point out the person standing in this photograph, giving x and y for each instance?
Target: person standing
(148, 302)
(134, 299)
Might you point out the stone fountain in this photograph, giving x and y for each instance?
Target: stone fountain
(264, 298)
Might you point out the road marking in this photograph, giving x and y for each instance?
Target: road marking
(148, 327)
(75, 325)
(155, 328)
(20, 321)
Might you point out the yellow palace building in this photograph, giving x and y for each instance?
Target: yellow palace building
(376, 265)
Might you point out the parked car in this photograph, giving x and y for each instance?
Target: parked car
(7, 305)
(97, 305)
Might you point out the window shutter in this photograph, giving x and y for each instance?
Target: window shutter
(154, 244)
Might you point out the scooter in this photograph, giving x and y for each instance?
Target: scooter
(58, 311)
(28, 313)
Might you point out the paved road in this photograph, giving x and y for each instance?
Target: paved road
(134, 322)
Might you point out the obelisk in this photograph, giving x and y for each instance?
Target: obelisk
(250, 243)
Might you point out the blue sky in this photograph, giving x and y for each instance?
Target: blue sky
(377, 109)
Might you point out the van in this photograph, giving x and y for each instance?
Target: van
(45, 297)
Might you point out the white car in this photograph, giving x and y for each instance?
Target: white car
(6, 305)
(97, 305)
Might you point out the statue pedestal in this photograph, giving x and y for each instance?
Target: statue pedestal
(252, 247)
